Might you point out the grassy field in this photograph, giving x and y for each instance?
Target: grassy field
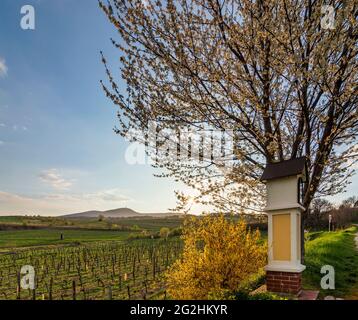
(49, 237)
(338, 250)
(151, 224)
(145, 223)
(29, 231)
(21, 232)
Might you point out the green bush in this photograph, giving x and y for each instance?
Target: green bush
(244, 295)
(175, 232)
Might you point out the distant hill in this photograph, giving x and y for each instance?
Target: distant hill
(117, 213)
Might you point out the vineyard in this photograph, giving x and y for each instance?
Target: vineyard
(115, 270)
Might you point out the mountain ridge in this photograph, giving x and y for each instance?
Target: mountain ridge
(117, 213)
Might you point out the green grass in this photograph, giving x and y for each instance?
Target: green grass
(150, 224)
(11, 219)
(47, 230)
(145, 223)
(338, 250)
(45, 237)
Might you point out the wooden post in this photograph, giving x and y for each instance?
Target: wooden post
(129, 292)
(144, 294)
(50, 289)
(133, 270)
(109, 293)
(145, 286)
(73, 290)
(18, 287)
(154, 267)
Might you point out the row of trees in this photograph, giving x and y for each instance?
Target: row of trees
(342, 214)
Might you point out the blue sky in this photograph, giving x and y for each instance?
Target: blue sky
(58, 151)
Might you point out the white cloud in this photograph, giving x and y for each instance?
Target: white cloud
(103, 196)
(5, 196)
(17, 127)
(2, 125)
(1, 143)
(3, 68)
(107, 195)
(55, 179)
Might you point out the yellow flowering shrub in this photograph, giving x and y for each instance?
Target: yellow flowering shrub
(219, 254)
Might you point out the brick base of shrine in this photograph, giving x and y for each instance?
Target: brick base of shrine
(284, 282)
